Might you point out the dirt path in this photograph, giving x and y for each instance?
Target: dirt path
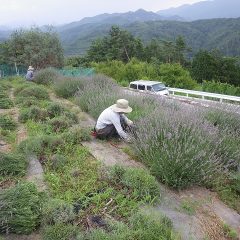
(35, 170)
(208, 212)
(197, 213)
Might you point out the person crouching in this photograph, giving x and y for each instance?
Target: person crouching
(113, 123)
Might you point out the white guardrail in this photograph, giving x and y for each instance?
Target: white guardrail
(221, 97)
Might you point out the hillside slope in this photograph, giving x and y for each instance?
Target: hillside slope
(223, 34)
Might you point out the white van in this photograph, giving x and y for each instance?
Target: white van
(149, 86)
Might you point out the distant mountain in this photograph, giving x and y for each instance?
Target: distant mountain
(205, 10)
(77, 36)
(223, 34)
(120, 18)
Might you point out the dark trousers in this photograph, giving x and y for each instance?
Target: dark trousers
(110, 131)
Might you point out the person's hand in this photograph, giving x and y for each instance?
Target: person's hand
(129, 123)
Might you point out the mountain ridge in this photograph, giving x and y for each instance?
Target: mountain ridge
(205, 10)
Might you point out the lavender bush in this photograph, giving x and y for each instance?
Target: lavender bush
(66, 87)
(100, 92)
(178, 147)
(227, 121)
(181, 145)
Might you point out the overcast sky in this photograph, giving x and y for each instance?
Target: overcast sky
(53, 12)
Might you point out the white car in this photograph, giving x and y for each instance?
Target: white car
(149, 86)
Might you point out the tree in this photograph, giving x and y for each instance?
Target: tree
(204, 66)
(167, 51)
(34, 47)
(175, 75)
(180, 49)
(118, 45)
(213, 66)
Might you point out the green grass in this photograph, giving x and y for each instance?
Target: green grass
(37, 128)
(8, 136)
(79, 182)
(66, 183)
(230, 232)
(189, 206)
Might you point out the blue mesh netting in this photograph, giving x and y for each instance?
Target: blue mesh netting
(10, 70)
(77, 72)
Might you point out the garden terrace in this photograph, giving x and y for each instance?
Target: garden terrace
(81, 193)
(183, 148)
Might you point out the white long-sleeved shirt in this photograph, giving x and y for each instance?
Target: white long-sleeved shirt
(107, 117)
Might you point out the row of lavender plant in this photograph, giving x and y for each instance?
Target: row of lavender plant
(182, 146)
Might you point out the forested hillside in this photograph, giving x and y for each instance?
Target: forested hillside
(223, 34)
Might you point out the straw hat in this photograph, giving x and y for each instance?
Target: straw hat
(30, 68)
(121, 106)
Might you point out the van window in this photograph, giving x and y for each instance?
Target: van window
(141, 87)
(134, 86)
(149, 88)
(159, 87)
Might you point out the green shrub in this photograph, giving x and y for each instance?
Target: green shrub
(59, 124)
(71, 116)
(5, 103)
(46, 76)
(3, 94)
(12, 164)
(18, 89)
(77, 135)
(57, 161)
(59, 231)
(55, 110)
(175, 75)
(57, 211)
(67, 87)
(34, 91)
(139, 181)
(5, 85)
(7, 122)
(41, 145)
(143, 185)
(33, 113)
(151, 226)
(20, 209)
(26, 101)
(222, 88)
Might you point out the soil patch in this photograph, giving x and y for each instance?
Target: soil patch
(35, 173)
